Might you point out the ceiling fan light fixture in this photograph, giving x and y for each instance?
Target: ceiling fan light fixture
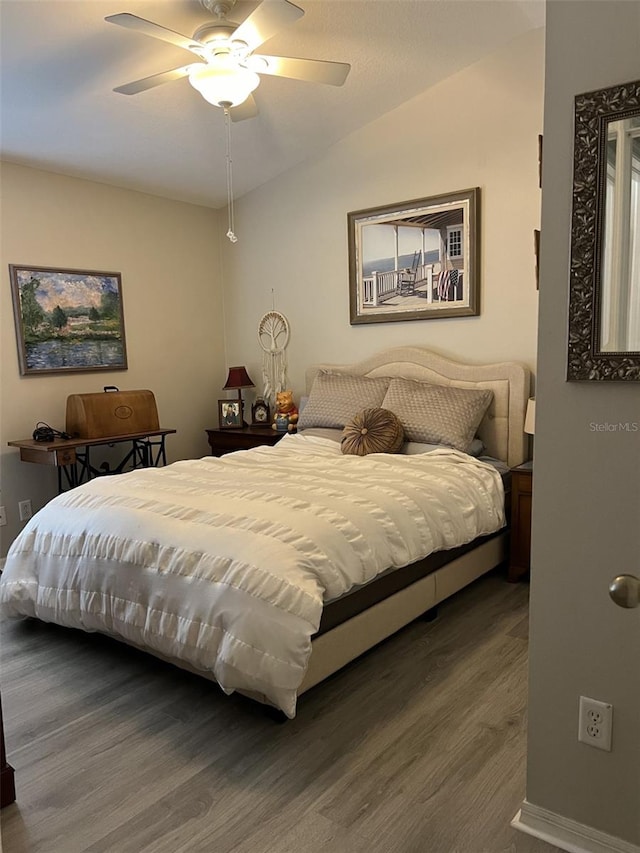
(224, 84)
(215, 32)
(256, 63)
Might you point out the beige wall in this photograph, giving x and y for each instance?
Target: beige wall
(478, 128)
(586, 489)
(168, 254)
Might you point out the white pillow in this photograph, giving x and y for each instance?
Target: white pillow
(414, 447)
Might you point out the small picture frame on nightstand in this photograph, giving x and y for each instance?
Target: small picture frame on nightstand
(229, 414)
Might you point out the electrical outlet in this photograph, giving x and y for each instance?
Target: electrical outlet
(595, 722)
(3, 516)
(24, 509)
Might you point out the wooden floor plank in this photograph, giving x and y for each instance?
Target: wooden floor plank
(418, 747)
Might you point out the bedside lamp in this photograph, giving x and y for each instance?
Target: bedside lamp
(238, 379)
(530, 417)
(530, 420)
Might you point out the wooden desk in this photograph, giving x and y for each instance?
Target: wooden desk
(72, 456)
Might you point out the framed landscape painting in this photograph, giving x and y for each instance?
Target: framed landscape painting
(67, 321)
(416, 260)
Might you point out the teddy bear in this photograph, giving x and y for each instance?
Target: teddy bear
(285, 417)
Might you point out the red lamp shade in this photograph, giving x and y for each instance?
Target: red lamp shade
(238, 378)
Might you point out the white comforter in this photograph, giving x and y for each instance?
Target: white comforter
(225, 563)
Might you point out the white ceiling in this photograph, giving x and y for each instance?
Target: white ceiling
(60, 62)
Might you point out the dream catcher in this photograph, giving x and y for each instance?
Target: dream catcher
(273, 334)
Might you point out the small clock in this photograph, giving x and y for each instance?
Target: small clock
(260, 412)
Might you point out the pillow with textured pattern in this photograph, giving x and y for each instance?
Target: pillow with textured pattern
(336, 397)
(438, 414)
(372, 431)
(320, 432)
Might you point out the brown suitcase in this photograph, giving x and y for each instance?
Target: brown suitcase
(112, 412)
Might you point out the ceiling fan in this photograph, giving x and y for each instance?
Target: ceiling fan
(227, 70)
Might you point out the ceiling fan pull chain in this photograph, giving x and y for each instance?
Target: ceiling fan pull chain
(230, 233)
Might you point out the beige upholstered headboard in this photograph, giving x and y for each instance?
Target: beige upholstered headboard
(502, 428)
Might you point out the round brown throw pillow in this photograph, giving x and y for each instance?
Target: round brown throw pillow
(372, 431)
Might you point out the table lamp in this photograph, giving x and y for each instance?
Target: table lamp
(238, 379)
(530, 417)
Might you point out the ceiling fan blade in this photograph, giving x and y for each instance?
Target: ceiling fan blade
(248, 109)
(154, 80)
(269, 18)
(311, 70)
(133, 22)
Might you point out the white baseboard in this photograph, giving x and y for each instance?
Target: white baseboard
(567, 834)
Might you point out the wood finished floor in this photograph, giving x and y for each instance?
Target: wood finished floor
(418, 747)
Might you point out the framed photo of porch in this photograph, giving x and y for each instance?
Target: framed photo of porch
(415, 260)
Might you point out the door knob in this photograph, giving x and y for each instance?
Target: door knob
(625, 590)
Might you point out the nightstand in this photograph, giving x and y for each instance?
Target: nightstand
(223, 441)
(520, 551)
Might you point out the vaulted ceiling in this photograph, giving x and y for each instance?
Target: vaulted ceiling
(60, 62)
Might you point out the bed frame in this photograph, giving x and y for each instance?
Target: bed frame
(502, 432)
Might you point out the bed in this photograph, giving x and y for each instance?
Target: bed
(268, 570)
